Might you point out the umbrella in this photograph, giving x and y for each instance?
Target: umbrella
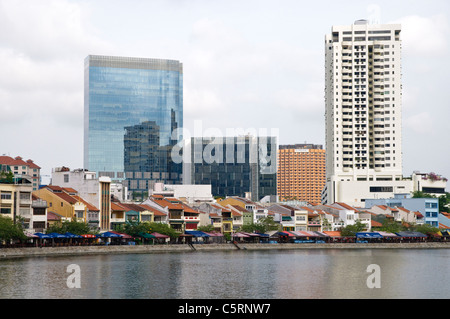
(241, 235)
(122, 235)
(70, 235)
(56, 235)
(43, 236)
(30, 235)
(146, 235)
(88, 236)
(158, 235)
(109, 235)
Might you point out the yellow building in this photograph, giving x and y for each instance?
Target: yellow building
(7, 200)
(61, 202)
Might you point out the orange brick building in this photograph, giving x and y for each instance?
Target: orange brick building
(301, 172)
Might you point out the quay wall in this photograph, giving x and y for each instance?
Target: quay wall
(6, 253)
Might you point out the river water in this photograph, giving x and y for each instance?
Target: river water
(273, 274)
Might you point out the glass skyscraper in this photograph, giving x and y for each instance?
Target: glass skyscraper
(233, 166)
(131, 108)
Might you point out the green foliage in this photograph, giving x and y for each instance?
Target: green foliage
(426, 229)
(74, 227)
(391, 226)
(9, 230)
(6, 177)
(208, 228)
(134, 228)
(263, 225)
(351, 230)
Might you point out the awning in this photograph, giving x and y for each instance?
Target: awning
(284, 233)
(109, 235)
(310, 233)
(30, 235)
(240, 235)
(56, 235)
(263, 235)
(386, 234)
(368, 235)
(146, 235)
(126, 236)
(410, 234)
(214, 234)
(43, 236)
(445, 232)
(88, 236)
(320, 234)
(197, 233)
(250, 234)
(333, 233)
(298, 234)
(158, 235)
(70, 235)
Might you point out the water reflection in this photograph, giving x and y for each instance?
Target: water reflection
(293, 274)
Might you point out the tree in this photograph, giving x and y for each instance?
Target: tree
(263, 225)
(426, 229)
(6, 177)
(133, 228)
(391, 226)
(207, 228)
(351, 230)
(9, 230)
(74, 227)
(164, 229)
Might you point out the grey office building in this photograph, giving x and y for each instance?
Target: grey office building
(233, 166)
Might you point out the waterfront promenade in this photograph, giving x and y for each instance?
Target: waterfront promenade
(7, 253)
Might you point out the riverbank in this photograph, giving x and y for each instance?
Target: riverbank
(7, 253)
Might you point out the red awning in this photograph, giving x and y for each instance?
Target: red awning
(126, 236)
(88, 236)
(158, 235)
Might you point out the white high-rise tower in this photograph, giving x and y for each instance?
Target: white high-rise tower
(363, 98)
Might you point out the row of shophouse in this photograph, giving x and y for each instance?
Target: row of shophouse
(52, 204)
(82, 197)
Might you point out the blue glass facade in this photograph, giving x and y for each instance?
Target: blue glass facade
(132, 105)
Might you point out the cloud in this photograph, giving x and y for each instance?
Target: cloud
(425, 36)
(41, 79)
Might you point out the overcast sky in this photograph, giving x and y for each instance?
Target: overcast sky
(247, 64)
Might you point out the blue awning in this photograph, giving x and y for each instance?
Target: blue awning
(410, 234)
(262, 235)
(70, 235)
(109, 235)
(56, 235)
(196, 233)
(43, 236)
(368, 235)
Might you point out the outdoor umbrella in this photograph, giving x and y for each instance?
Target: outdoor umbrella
(109, 235)
(88, 236)
(70, 235)
(158, 235)
(146, 235)
(56, 235)
(43, 236)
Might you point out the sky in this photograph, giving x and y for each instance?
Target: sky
(252, 65)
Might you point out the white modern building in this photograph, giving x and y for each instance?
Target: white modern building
(363, 113)
(190, 194)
